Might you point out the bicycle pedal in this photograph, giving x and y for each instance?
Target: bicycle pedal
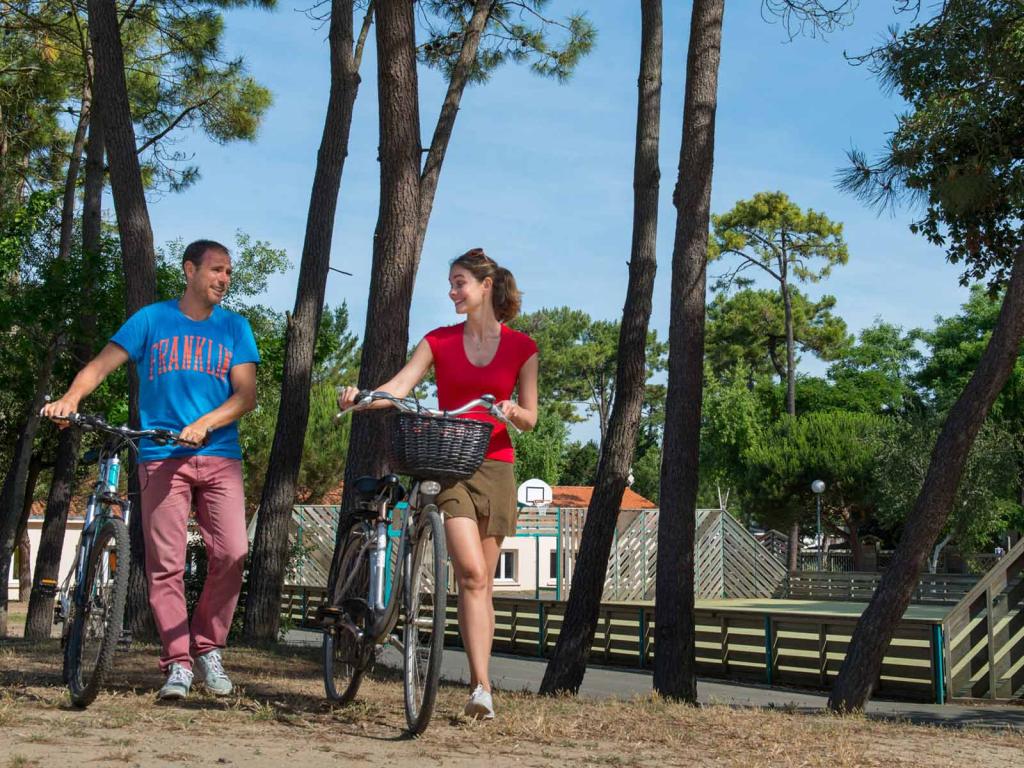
(327, 616)
(356, 608)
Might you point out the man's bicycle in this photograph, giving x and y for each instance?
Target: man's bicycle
(429, 446)
(91, 600)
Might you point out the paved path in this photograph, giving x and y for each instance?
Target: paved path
(517, 673)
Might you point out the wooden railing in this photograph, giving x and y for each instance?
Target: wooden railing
(752, 644)
(984, 634)
(932, 589)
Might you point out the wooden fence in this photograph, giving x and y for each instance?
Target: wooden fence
(729, 561)
(932, 589)
(753, 643)
(984, 634)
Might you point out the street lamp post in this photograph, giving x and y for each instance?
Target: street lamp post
(818, 487)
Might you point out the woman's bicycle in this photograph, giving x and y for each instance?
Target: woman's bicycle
(429, 446)
(91, 601)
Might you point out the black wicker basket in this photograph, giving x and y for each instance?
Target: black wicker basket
(437, 447)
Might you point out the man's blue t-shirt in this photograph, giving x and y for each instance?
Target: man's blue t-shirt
(184, 368)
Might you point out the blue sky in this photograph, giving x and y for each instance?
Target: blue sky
(540, 173)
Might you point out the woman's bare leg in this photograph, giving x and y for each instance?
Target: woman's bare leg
(474, 561)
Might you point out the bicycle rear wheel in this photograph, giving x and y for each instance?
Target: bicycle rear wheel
(97, 619)
(425, 602)
(345, 658)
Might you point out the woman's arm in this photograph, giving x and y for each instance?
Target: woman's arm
(401, 384)
(524, 412)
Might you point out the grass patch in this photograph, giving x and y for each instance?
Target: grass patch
(279, 715)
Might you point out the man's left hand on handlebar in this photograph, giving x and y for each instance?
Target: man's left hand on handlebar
(59, 410)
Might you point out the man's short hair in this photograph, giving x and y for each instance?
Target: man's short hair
(194, 251)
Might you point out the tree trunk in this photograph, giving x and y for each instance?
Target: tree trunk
(794, 547)
(12, 498)
(39, 622)
(855, 547)
(138, 255)
(446, 120)
(674, 650)
(879, 621)
(24, 565)
(14, 484)
(787, 304)
(270, 544)
(386, 336)
(569, 662)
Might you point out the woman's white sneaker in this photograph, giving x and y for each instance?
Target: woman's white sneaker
(480, 705)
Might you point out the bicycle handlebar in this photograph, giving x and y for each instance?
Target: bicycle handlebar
(367, 397)
(94, 423)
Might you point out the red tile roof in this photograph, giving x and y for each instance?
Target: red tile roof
(578, 496)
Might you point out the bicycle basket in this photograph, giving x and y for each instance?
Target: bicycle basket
(437, 447)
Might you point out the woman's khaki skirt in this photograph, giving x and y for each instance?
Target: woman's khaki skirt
(490, 493)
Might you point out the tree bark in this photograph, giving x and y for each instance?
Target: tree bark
(24, 565)
(21, 537)
(270, 544)
(12, 498)
(569, 662)
(674, 657)
(446, 120)
(14, 485)
(138, 255)
(386, 336)
(879, 621)
(39, 621)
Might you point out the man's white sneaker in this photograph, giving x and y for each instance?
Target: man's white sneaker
(480, 705)
(178, 682)
(210, 671)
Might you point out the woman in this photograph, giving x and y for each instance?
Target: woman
(480, 356)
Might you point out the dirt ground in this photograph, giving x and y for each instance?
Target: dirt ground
(278, 717)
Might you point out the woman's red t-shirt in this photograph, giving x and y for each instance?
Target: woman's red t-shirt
(459, 381)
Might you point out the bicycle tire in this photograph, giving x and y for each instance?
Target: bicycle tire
(425, 602)
(99, 622)
(343, 659)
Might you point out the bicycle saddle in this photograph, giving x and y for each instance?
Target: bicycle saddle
(370, 488)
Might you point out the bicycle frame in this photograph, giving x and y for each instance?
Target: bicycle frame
(103, 497)
(384, 609)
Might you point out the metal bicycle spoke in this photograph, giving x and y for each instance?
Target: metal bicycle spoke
(425, 603)
(98, 613)
(345, 657)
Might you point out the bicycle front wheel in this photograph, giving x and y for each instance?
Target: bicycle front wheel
(97, 613)
(344, 657)
(425, 602)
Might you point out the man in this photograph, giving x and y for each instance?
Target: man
(197, 371)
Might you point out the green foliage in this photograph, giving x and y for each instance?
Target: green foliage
(783, 460)
(516, 31)
(748, 329)
(955, 346)
(579, 465)
(647, 474)
(732, 418)
(958, 150)
(877, 373)
(579, 359)
(984, 504)
(540, 452)
(772, 233)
